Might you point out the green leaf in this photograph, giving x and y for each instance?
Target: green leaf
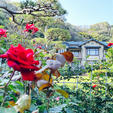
(12, 88)
(42, 108)
(1, 97)
(20, 83)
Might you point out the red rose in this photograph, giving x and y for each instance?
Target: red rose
(31, 28)
(110, 44)
(3, 33)
(35, 29)
(21, 59)
(94, 86)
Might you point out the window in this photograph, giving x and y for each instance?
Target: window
(76, 53)
(93, 51)
(61, 50)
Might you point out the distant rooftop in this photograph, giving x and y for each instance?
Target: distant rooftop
(77, 44)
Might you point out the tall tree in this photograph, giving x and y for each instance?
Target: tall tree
(40, 8)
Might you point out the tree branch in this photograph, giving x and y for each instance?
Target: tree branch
(46, 10)
(10, 11)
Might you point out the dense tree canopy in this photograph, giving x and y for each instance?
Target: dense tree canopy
(100, 31)
(58, 34)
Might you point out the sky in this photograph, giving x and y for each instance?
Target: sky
(88, 12)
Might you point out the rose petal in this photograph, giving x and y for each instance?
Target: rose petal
(28, 75)
(3, 56)
(14, 65)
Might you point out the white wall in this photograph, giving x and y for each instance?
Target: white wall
(91, 58)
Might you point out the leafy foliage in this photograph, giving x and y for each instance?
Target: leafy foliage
(100, 31)
(58, 34)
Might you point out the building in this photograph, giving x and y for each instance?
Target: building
(87, 51)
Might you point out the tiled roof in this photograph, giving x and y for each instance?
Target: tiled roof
(80, 43)
(104, 43)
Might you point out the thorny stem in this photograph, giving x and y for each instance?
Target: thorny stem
(10, 79)
(48, 101)
(5, 88)
(50, 76)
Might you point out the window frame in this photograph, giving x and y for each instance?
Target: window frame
(95, 51)
(77, 51)
(75, 55)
